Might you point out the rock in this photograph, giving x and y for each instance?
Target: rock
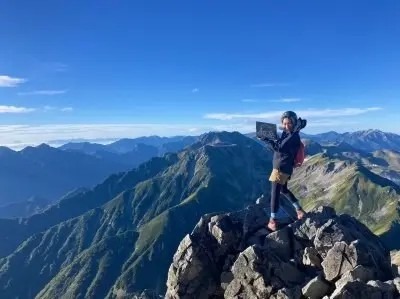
(146, 294)
(396, 283)
(359, 289)
(280, 242)
(229, 260)
(340, 259)
(247, 264)
(202, 226)
(294, 293)
(233, 289)
(191, 272)
(226, 279)
(260, 271)
(358, 273)
(316, 288)
(307, 229)
(329, 234)
(226, 233)
(387, 288)
(395, 270)
(311, 257)
(241, 289)
(232, 255)
(289, 274)
(257, 238)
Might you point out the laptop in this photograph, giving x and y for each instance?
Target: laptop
(266, 130)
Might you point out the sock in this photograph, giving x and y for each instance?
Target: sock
(296, 205)
(273, 215)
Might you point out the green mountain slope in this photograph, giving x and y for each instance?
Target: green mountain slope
(222, 172)
(14, 231)
(119, 238)
(350, 188)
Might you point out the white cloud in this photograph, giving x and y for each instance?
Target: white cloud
(47, 108)
(195, 90)
(273, 115)
(18, 136)
(289, 100)
(14, 109)
(43, 92)
(269, 84)
(7, 81)
(52, 108)
(283, 100)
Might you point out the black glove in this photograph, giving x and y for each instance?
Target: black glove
(301, 123)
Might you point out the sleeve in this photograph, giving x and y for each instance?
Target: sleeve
(273, 145)
(290, 139)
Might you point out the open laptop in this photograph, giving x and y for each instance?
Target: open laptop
(266, 130)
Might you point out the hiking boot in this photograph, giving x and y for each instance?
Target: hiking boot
(272, 225)
(300, 214)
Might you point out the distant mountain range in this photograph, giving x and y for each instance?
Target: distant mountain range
(47, 172)
(109, 240)
(140, 145)
(25, 208)
(368, 140)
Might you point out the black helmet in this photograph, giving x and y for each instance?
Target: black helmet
(291, 115)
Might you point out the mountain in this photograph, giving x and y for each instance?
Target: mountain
(387, 164)
(368, 140)
(163, 144)
(48, 172)
(85, 147)
(325, 255)
(26, 208)
(138, 145)
(147, 210)
(327, 137)
(132, 152)
(312, 147)
(350, 188)
(77, 202)
(109, 240)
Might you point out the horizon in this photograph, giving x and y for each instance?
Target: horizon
(104, 141)
(110, 70)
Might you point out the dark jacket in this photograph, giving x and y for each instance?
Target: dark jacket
(285, 150)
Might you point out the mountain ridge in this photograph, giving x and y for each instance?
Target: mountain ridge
(157, 204)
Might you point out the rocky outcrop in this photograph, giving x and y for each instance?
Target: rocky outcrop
(322, 256)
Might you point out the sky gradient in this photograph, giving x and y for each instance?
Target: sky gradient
(113, 69)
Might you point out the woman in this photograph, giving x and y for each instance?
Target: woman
(285, 150)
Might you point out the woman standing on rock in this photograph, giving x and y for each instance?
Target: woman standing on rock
(285, 151)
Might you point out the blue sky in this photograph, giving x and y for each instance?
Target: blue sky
(111, 69)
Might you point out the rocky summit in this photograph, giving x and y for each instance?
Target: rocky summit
(324, 255)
